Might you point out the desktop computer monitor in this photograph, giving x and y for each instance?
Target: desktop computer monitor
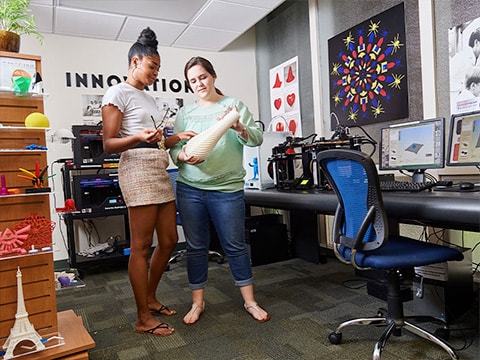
(464, 140)
(414, 146)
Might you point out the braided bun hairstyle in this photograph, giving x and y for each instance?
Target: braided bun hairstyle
(146, 45)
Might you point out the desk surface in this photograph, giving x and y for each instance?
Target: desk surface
(452, 210)
(77, 340)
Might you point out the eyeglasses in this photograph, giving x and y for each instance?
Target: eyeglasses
(159, 126)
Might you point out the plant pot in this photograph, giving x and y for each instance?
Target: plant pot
(9, 41)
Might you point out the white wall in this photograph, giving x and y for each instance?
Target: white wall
(235, 69)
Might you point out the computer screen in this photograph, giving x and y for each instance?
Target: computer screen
(464, 139)
(414, 146)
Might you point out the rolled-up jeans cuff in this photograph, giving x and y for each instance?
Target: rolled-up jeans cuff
(198, 286)
(244, 282)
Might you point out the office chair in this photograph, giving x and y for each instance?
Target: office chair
(361, 238)
(180, 253)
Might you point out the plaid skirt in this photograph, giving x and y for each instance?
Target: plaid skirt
(143, 177)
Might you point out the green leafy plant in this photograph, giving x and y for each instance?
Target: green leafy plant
(15, 16)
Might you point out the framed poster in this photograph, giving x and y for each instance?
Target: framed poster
(9, 65)
(464, 46)
(92, 109)
(285, 98)
(368, 71)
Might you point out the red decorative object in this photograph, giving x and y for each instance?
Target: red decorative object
(292, 126)
(10, 241)
(277, 103)
(291, 99)
(278, 82)
(290, 76)
(69, 206)
(40, 234)
(36, 178)
(279, 127)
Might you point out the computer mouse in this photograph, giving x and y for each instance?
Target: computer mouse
(466, 185)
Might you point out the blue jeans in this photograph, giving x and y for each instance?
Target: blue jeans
(227, 213)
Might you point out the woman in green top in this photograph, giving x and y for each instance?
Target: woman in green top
(212, 190)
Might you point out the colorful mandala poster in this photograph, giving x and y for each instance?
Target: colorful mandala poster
(368, 71)
(285, 98)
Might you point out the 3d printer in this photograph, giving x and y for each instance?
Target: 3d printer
(88, 146)
(293, 163)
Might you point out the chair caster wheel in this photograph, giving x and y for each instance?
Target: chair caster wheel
(442, 333)
(335, 338)
(382, 312)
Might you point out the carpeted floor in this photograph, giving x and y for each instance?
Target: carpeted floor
(306, 302)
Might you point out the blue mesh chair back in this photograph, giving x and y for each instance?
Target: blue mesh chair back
(360, 222)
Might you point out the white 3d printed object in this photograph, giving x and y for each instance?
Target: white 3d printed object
(202, 144)
(22, 329)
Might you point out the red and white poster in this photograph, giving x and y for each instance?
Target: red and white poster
(285, 98)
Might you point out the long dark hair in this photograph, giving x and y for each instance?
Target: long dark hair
(207, 65)
(146, 45)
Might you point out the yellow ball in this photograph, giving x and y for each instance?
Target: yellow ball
(37, 119)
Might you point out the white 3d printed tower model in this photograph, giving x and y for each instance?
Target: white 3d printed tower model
(22, 330)
(202, 144)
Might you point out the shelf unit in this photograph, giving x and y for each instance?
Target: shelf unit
(69, 171)
(37, 269)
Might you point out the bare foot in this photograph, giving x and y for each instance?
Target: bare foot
(160, 329)
(162, 310)
(257, 312)
(194, 314)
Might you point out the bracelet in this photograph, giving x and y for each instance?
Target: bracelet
(161, 144)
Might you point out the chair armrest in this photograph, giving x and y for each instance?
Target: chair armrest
(367, 221)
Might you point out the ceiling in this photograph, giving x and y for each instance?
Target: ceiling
(193, 24)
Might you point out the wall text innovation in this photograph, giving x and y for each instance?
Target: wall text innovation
(94, 81)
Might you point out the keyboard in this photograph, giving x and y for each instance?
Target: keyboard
(397, 185)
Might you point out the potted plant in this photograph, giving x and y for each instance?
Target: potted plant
(15, 20)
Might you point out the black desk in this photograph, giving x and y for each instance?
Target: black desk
(452, 210)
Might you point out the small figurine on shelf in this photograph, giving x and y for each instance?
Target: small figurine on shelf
(36, 178)
(11, 241)
(35, 147)
(3, 189)
(21, 81)
(23, 332)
